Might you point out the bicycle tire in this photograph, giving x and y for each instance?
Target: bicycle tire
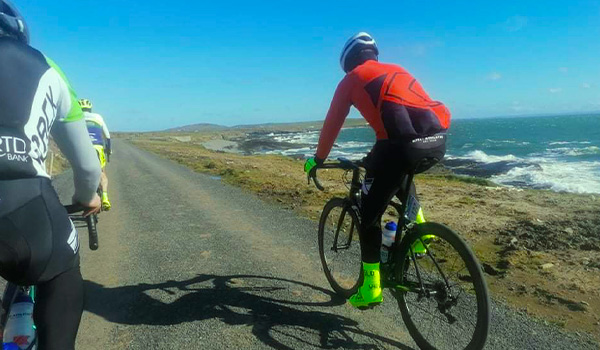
(403, 260)
(355, 278)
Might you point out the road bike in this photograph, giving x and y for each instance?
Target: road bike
(12, 290)
(430, 270)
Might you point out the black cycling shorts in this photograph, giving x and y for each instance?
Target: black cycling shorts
(38, 241)
(387, 165)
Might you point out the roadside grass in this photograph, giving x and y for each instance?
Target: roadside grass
(56, 163)
(484, 213)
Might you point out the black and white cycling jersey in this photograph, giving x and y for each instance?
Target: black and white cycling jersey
(36, 100)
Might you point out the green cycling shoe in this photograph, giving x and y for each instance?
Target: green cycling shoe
(370, 293)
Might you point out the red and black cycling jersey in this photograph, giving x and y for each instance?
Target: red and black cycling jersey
(391, 100)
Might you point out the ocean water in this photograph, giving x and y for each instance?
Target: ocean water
(560, 153)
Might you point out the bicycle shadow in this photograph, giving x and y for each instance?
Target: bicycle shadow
(264, 303)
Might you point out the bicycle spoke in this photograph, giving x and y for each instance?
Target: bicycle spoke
(444, 306)
(337, 229)
(351, 233)
(340, 255)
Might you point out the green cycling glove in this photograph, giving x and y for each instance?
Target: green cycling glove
(311, 163)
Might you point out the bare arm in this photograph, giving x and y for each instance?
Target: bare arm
(71, 135)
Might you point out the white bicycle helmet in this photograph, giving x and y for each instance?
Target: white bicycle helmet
(12, 23)
(357, 43)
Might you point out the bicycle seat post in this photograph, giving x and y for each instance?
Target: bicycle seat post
(422, 165)
(405, 190)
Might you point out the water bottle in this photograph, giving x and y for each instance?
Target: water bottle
(19, 326)
(10, 346)
(388, 237)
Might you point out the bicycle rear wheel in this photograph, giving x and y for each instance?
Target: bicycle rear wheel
(447, 305)
(339, 247)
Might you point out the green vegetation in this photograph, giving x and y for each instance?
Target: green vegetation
(470, 180)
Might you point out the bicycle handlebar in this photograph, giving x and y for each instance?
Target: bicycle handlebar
(343, 163)
(315, 180)
(90, 221)
(74, 208)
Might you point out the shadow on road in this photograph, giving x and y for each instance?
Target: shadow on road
(280, 311)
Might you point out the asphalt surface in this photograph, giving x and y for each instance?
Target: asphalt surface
(186, 262)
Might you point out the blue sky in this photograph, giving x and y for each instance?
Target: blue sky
(150, 65)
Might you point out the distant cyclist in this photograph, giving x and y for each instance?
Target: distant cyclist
(38, 242)
(408, 126)
(101, 140)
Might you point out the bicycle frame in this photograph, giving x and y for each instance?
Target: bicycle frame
(404, 223)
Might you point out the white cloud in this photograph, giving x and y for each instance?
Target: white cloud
(586, 85)
(515, 23)
(563, 69)
(554, 90)
(494, 76)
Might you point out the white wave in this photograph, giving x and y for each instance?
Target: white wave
(307, 151)
(501, 141)
(482, 157)
(509, 142)
(574, 152)
(577, 177)
(355, 144)
(350, 155)
(310, 137)
(569, 143)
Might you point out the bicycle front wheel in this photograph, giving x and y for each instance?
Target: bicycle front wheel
(339, 247)
(442, 293)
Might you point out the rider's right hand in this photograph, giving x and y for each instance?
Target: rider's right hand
(310, 167)
(311, 164)
(93, 207)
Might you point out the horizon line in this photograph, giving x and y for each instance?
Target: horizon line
(239, 126)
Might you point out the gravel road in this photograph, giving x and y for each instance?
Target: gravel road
(186, 262)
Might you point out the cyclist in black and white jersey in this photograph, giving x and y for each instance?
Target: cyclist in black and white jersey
(38, 242)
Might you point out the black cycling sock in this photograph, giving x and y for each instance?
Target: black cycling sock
(58, 310)
(370, 242)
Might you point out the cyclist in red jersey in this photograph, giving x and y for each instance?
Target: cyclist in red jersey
(409, 126)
